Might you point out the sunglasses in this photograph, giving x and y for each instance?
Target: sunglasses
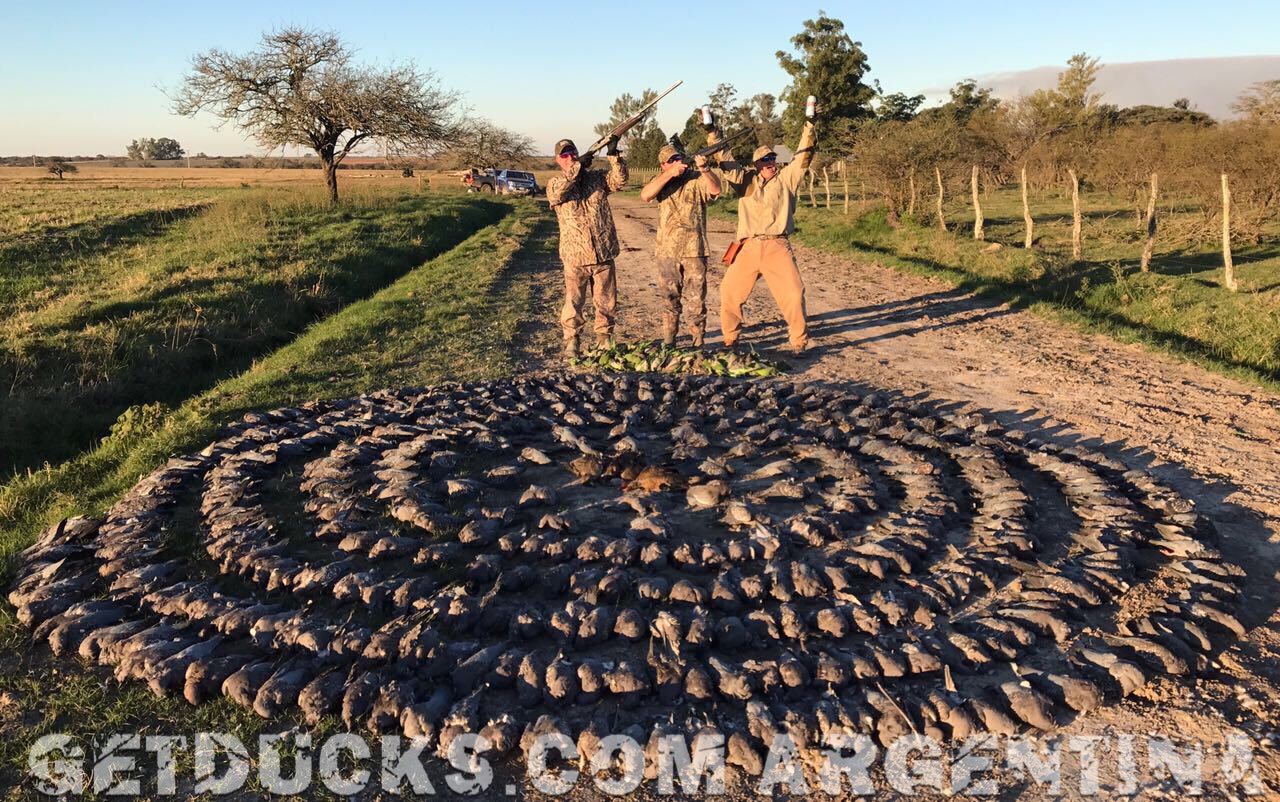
(676, 158)
(570, 153)
(770, 159)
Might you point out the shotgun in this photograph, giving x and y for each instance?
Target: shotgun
(626, 125)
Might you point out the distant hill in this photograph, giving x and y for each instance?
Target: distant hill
(1210, 83)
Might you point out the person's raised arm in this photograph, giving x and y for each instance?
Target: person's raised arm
(793, 173)
(708, 180)
(617, 178)
(564, 188)
(734, 174)
(669, 172)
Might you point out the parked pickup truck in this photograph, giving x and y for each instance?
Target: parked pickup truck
(505, 182)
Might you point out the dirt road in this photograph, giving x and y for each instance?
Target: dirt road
(1212, 438)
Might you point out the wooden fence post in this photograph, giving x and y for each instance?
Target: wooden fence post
(826, 185)
(977, 207)
(942, 220)
(911, 205)
(844, 177)
(1151, 224)
(1229, 277)
(1075, 214)
(1026, 210)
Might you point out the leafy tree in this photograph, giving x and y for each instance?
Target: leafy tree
(1075, 83)
(899, 106)
(483, 144)
(58, 167)
(762, 115)
(643, 150)
(830, 66)
(166, 148)
(692, 136)
(141, 149)
(300, 87)
(1260, 102)
(147, 149)
(622, 108)
(967, 99)
(1152, 115)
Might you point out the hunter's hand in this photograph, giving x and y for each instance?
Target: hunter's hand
(700, 161)
(611, 149)
(675, 168)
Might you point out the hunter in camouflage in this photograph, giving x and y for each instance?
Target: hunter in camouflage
(682, 195)
(588, 241)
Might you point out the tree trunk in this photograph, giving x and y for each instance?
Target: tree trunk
(942, 220)
(862, 195)
(911, 182)
(826, 185)
(1075, 214)
(1229, 277)
(977, 206)
(1026, 211)
(331, 181)
(844, 177)
(813, 196)
(1151, 223)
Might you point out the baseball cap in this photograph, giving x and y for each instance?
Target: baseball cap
(665, 153)
(760, 152)
(562, 146)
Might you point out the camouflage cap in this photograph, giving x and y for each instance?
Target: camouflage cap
(562, 146)
(760, 152)
(665, 153)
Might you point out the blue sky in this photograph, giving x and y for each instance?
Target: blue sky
(87, 77)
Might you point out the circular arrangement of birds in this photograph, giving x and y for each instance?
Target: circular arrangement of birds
(630, 553)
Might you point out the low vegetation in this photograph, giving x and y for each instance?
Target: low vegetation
(652, 356)
(150, 303)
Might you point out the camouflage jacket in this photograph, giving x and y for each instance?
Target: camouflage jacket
(682, 217)
(581, 203)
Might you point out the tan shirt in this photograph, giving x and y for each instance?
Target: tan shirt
(768, 208)
(682, 217)
(581, 203)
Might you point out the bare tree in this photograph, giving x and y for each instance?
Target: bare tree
(1260, 102)
(480, 143)
(58, 167)
(300, 88)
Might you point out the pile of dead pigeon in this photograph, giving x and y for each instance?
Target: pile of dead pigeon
(598, 554)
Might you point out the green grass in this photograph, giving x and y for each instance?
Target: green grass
(456, 316)
(1180, 307)
(152, 305)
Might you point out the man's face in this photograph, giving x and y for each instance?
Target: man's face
(566, 158)
(767, 167)
(675, 164)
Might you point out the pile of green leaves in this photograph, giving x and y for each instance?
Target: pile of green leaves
(652, 356)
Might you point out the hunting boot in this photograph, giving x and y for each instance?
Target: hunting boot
(604, 341)
(697, 335)
(571, 349)
(669, 331)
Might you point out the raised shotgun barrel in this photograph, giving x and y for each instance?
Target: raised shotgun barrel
(626, 125)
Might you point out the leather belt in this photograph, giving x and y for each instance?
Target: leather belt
(768, 236)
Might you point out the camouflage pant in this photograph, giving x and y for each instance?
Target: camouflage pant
(599, 280)
(673, 275)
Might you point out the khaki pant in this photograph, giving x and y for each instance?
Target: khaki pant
(773, 260)
(600, 281)
(673, 276)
